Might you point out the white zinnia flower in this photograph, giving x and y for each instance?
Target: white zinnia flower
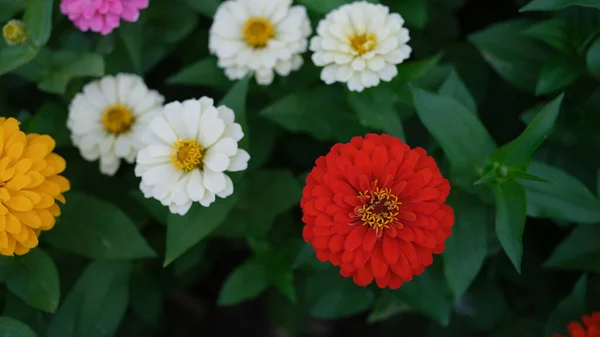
(360, 43)
(188, 147)
(109, 117)
(259, 37)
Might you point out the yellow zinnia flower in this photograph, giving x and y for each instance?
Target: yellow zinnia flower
(29, 187)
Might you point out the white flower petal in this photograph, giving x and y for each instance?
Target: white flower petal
(228, 189)
(162, 129)
(173, 113)
(238, 58)
(157, 174)
(227, 146)
(191, 117)
(215, 161)
(208, 199)
(239, 162)
(357, 42)
(195, 187)
(214, 181)
(211, 128)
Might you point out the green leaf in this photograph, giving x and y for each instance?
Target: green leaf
(376, 109)
(96, 229)
(413, 70)
(146, 297)
(33, 277)
(413, 11)
(235, 99)
(564, 197)
(206, 7)
(263, 196)
(324, 6)
(152, 206)
(322, 112)
(64, 65)
(554, 5)
(38, 19)
(12, 57)
(518, 152)
(570, 309)
(10, 8)
(307, 260)
(466, 248)
(592, 57)
(205, 72)
(455, 128)
(329, 295)
(454, 87)
(428, 294)
(10, 327)
(184, 232)
(556, 32)
(386, 306)
(132, 36)
(518, 62)
(97, 302)
(245, 282)
(578, 251)
(557, 74)
(510, 219)
(50, 119)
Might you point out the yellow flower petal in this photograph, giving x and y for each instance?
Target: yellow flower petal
(10, 247)
(23, 166)
(2, 223)
(7, 174)
(19, 203)
(18, 183)
(15, 151)
(64, 184)
(45, 201)
(32, 240)
(54, 210)
(31, 219)
(13, 225)
(38, 164)
(3, 240)
(56, 165)
(33, 196)
(48, 187)
(4, 163)
(48, 220)
(36, 179)
(23, 234)
(39, 150)
(21, 249)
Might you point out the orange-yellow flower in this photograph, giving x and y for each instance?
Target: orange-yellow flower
(30, 184)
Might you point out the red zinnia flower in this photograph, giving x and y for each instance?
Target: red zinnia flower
(591, 328)
(375, 208)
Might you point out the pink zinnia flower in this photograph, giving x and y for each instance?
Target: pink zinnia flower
(101, 15)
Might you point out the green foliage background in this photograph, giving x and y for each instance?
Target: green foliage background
(505, 94)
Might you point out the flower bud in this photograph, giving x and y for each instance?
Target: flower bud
(14, 32)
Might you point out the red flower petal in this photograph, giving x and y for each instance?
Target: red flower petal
(354, 239)
(398, 191)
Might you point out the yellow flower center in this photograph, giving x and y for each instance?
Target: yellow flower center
(379, 209)
(187, 155)
(363, 43)
(257, 31)
(14, 32)
(117, 119)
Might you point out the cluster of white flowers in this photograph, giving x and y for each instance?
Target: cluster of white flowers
(359, 43)
(182, 150)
